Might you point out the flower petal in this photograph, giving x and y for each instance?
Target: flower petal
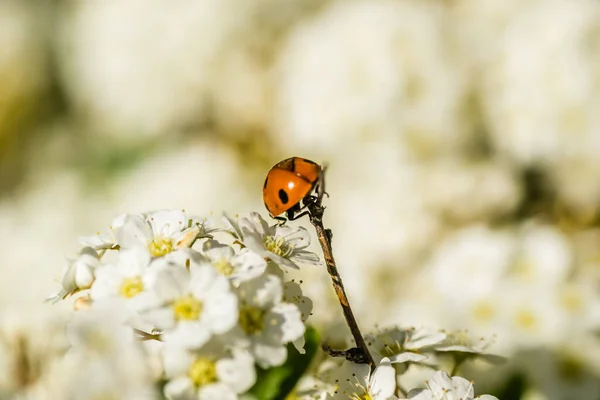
(383, 381)
(462, 388)
(170, 283)
(237, 372)
(220, 312)
(284, 323)
(407, 356)
(216, 391)
(188, 334)
(216, 251)
(186, 238)
(269, 356)
(298, 237)
(134, 232)
(204, 279)
(179, 388)
(162, 318)
(440, 384)
(264, 291)
(167, 223)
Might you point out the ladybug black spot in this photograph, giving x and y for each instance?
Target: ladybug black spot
(283, 196)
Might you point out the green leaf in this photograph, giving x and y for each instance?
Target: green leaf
(278, 382)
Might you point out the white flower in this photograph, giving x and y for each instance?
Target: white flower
(401, 345)
(208, 373)
(266, 324)
(126, 279)
(336, 88)
(283, 245)
(92, 379)
(534, 108)
(461, 344)
(105, 360)
(121, 77)
(160, 232)
(292, 293)
(31, 342)
(466, 191)
(238, 267)
(544, 256)
(101, 330)
(104, 240)
(355, 381)
(193, 304)
(470, 263)
(442, 387)
(79, 274)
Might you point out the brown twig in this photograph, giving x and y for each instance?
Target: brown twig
(360, 354)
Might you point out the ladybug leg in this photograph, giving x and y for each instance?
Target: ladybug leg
(292, 213)
(280, 220)
(307, 202)
(295, 217)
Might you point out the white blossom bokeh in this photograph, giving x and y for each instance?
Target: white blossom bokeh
(461, 139)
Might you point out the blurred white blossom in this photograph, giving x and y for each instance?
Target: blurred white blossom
(541, 112)
(131, 70)
(363, 70)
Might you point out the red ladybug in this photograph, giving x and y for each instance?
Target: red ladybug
(290, 185)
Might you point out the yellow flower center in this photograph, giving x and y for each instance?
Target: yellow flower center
(160, 246)
(278, 245)
(223, 266)
(131, 286)
(251, 319)
(572, 301)
(187, 308)
(484, 311)
(202, 372)
(526, 319)
(356, 396)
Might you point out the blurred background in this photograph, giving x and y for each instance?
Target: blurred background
(462, 138)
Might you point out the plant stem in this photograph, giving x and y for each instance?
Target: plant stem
(360, 354)
(458, 361)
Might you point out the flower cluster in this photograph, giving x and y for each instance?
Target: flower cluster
(217, 309)
(200, 317)
(357, 382)
(395, 350)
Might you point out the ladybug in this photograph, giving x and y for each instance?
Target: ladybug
(291, 186)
